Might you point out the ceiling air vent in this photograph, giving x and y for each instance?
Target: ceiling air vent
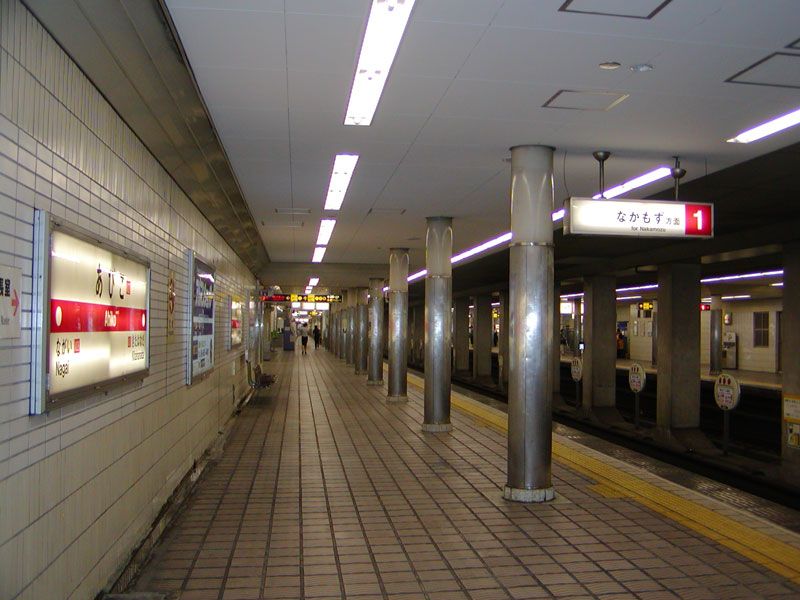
(580, 100)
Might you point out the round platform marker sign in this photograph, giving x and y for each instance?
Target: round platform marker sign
(637, 378)
(726, 391)
(576, 368)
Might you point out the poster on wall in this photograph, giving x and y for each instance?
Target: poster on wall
(201, 341)
(236, 322)
(98, 316)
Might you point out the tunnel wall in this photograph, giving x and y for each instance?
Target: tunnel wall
(80, 486)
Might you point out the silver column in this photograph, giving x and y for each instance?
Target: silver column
(361, 339)
(398, 324)
(716, 335)
(375, 354)
(438, 327)
(530, 328)
(350, 356)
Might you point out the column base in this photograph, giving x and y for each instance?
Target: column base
(396, 399)
(360, 372)
(377, 382)
(535, 495)
(437, 427)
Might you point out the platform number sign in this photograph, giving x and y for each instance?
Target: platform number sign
(726, 391)
(698, 220)
(576, 368)
(637, 378)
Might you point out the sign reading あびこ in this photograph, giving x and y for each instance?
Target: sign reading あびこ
(99, 325)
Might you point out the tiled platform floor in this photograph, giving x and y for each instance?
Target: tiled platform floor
(325, 491)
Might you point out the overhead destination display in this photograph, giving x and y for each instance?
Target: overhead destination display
(638, 218)
(301, 297)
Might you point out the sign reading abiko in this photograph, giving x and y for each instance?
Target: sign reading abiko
(98, 315)
(638, 218)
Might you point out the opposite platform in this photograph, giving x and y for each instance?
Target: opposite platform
(325, 491)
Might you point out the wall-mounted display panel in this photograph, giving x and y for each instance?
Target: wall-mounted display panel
(92, 306)
(201, 301)
(236, 321)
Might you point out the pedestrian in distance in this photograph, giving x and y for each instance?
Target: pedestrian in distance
(304, 337)
(317, 334)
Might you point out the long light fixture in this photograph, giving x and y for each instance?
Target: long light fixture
(385, 28)
(628, 298)
(737, 297)
(779, 284)
(743, 276)
(770, 127)
(343, 167)
(325, 231)
(313, 282)
(418, 275)
(638, 288)
(636, 182)
(319, 254)
(481, 248)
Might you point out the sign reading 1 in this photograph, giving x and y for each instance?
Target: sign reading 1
(638, 218)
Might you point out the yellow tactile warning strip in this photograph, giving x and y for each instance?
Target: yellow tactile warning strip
(767, 551)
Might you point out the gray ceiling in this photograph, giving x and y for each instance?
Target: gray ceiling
(470, 80)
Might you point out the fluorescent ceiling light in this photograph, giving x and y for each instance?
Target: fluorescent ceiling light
(313, 281)
(739, 297)
(343, 167)
(638, 288)
(319, 253)
(386, 288)
(568, 296)
(628, 298)
(742, 276)
(385, 28)
(779, 284)
(559, 214)
(636, 182)
(705, 299)
(481, 248)
(325, 231)
(417, 275)
(765, 129)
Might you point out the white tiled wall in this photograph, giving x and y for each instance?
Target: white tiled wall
(81, 485)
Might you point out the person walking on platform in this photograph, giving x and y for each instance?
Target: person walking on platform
(304, 337)
(317, 334)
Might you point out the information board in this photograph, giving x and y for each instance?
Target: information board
(726, 391)
(576, 368)
(637, 378)
(638, 218)
(301, 297)
(98, 316)
(10, 309)
(201, 341)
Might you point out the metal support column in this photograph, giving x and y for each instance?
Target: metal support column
(531, 328)
(715, 357)
(438, 328)
(398, 324)
(361, 339)
(375, 354)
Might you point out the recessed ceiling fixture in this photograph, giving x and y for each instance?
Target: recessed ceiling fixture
(325, 231)
(293, 211)
(313, 281)
(343, 167)
(609, 65)
(770, 127)
(641, 68)
(385, 28)
(319, 254)
(636, 182)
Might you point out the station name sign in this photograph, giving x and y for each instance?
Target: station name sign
(638, 218)
(301, 297)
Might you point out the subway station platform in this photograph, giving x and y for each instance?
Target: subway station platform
(325, 491)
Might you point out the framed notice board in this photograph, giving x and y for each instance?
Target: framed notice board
(202, 303)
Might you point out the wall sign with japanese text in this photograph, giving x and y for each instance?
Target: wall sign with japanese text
(98, 316)
(201, 301)
(236, 322)
(10, 301)
(638, 218)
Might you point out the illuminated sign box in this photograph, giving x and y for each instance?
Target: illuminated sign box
(327, 298)
(638, 218)
(91, 306)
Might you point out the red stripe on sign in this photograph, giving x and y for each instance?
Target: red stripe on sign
(67, 316)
